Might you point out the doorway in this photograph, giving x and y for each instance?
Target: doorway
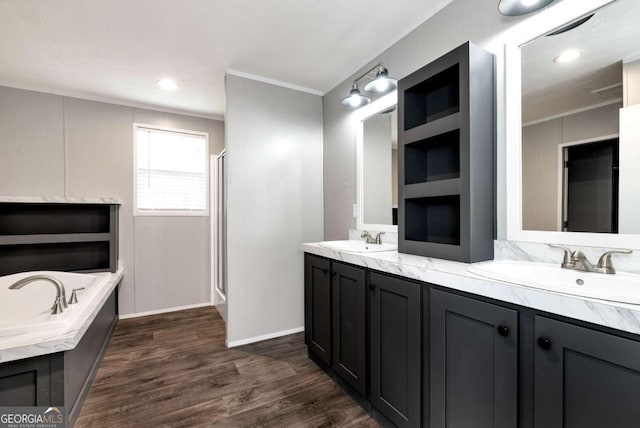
(590, 187)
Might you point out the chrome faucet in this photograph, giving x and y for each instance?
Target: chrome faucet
(61, 298)
(370, 239)
(576, 260)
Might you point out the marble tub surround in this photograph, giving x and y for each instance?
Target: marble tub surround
(49, 341)
(454, 275)
(58, 200)
(543, 253)
(387, 237)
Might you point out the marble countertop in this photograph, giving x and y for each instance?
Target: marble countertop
(29, 345)
(454, 275)
(58, 200)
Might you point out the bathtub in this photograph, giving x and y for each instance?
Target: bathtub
(29, 309)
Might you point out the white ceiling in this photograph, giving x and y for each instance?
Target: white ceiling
(550, 89)
(116, 50)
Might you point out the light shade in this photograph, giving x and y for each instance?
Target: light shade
(355, 99)
(382, 82)
(521, 7)
(167, 84)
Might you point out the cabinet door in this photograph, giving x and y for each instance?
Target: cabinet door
(349, 334)
(395, 349)
(317, 311)
(584, 378)
(473, 363)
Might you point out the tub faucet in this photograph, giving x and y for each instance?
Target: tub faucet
(61, 298)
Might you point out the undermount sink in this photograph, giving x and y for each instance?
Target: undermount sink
(354, 246)
(619, 287)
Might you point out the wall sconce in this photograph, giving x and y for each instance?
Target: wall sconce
(380, 84)
(521, 7)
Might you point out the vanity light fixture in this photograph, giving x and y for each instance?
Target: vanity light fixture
(381, 83)
(567, 56)
(167, 84)
(521, 7)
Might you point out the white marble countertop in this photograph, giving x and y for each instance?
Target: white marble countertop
(58, 200)
(454, 275)
(28, 345)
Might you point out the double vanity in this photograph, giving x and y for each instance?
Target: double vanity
(420, 341)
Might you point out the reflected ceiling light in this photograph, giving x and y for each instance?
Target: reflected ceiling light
(570, 26)
(521, 7)
(380, 83)
(567, 56)
(355, 99)
(167, 84)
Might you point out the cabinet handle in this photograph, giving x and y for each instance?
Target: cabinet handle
(503, 330)
(372, 286)
(334, 273)
(544, 343)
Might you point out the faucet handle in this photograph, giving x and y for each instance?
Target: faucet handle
(74, 298)
(568, 255)
(605, 265)
(378, 238)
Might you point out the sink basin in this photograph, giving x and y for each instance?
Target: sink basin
(358, 246)
(619, 287)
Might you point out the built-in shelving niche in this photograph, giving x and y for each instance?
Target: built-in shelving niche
(58, 236)
(447, 153)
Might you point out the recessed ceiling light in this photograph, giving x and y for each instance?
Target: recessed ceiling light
(567, 56)
(167, 84)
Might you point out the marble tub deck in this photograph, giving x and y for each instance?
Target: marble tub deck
(27, 345)
(454, 275)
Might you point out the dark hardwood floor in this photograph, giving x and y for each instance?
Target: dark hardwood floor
(174, 370)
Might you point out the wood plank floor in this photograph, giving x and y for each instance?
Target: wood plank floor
(173, 370)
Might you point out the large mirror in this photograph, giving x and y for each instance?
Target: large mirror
(377, 153)
(581, 125)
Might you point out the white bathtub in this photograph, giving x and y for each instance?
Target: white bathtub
(29, 309)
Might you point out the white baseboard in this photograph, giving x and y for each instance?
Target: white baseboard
(254, 339)
(163, 311)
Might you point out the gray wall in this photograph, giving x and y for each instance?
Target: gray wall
(462, 20)
(274, 167)
(59, 146)
(540, 160)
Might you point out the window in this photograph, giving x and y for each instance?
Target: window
(171, 172)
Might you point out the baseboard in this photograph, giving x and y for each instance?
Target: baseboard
(163, 311)
(254, 339)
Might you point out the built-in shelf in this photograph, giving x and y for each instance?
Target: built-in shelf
(58, 236)
(435, 219)
(432, 159)
(446, 149)
(433, 98)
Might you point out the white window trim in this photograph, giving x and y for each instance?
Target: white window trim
(168, 213)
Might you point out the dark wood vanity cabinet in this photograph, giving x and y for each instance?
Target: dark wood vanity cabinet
(472, 363)
(317, 296)
(396, 348)
(335, 318)
(584, 378)
(349, 325)
(416, 354)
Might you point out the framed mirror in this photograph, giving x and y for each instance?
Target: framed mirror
(377, 160)
(573, 150)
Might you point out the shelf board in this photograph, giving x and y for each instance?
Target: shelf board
(440, 251)
(56, 238)
(432, 188)
(431, 129)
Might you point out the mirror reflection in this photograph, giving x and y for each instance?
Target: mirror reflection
(581, 125)
(379, 168)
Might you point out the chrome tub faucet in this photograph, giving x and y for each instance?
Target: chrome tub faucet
(61, 298)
